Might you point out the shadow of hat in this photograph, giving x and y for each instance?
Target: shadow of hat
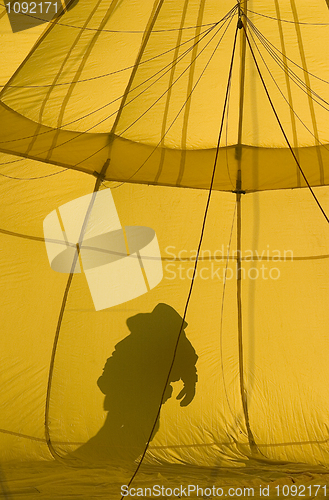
(162, 315)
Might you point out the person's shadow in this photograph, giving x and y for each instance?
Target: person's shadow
(133, 382)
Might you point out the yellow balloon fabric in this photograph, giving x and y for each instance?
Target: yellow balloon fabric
(128, 96)
(143, 83)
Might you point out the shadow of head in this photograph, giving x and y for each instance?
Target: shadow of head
(163, 318)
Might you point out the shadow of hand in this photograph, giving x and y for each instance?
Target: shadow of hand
(187, 393)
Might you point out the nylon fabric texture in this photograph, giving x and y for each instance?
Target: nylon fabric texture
(127, 97)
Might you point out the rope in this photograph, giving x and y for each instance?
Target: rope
(196, 261)
(282, 129)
